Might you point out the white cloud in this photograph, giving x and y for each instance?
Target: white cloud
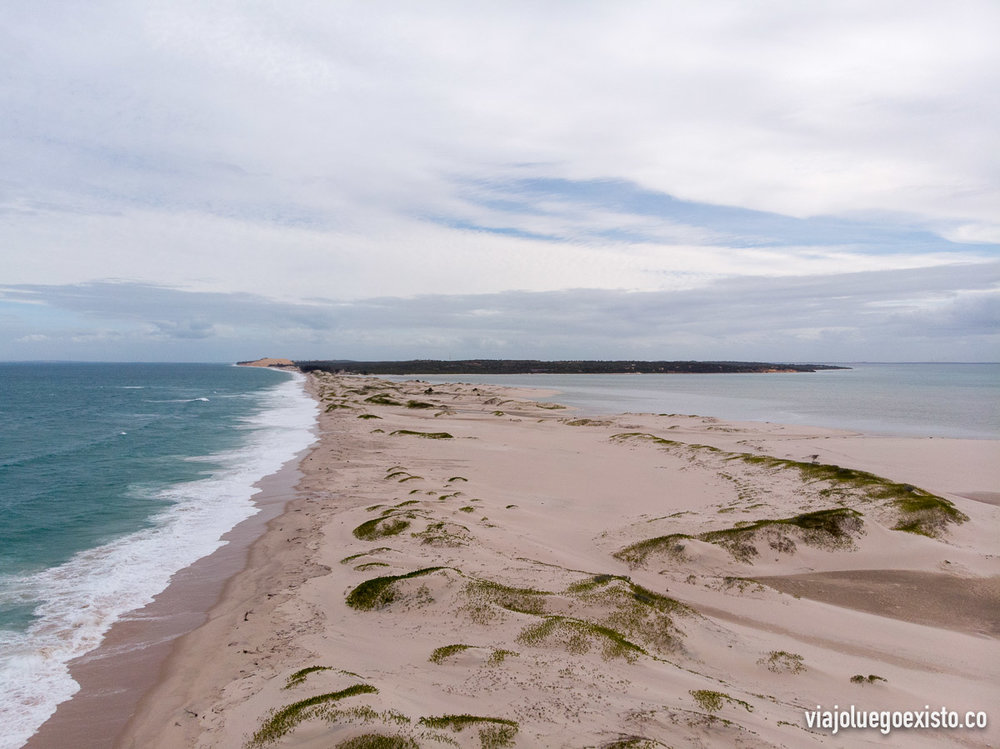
(974, 233)
(342, 150)
(950, 312)
(399, 257)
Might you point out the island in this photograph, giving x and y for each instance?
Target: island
(534, 366)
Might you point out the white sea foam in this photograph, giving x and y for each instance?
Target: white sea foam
(82, 598)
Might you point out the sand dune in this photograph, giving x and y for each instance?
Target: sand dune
(469, 567)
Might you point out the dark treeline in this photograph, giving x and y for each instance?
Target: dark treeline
(533, 366)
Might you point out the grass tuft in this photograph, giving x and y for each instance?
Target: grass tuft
(280, 722)
(522, 600)
(370, 565)
(300, 676)
(780, 661)
(577, 636)
(926, 514)
(499, 655)
(460, 722)
(425, 435)
(419, 404)
(497, 736)
(870, 679)
(919, 511)
(381, 399)
(829, 529)
(380, 528)
(441, 654)
(636, 554)
(711, 701)
(352, 557)
(378, 741)
(379, 592)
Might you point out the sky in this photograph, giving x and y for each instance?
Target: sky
(781, 180)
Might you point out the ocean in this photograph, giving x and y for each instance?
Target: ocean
(112, 478)
(914, 400)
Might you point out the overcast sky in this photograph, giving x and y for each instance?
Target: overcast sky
(778, 180)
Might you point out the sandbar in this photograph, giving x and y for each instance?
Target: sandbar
(468, 565)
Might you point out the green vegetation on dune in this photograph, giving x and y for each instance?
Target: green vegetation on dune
(379, 592)
(382, 400)
(446, 651)
(280, 722)
(419, 404)
(300, 676)
(458, 722)
(352, 557)
(494, 733)
(915, 510)
(919, 511)
(378, 741)
(711, 701)
(634, 611)
(635, 554)
(450, 535)
(926, 514)
(781, 661)
(833, 528)
(828, 529)
(499, 655)
(633, 742)
(483, 593)
(610, 613)
(425, 435)
(870, 679)
(623, 436)
(578, 636)
(380, 528)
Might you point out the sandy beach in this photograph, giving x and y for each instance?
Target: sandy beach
(465, 566)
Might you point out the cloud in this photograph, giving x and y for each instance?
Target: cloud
(946, 313)
(309, 112)
(449, 152)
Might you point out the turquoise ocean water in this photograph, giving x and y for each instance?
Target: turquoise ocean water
(112, 478)
(920, 400)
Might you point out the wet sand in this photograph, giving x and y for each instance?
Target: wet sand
(114, 678)
(930, 598)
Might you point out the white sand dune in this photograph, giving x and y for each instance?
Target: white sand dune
(637, 581)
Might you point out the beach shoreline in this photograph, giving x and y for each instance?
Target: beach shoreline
(284, 611)
(115, 677)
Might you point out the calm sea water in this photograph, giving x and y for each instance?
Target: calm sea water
(112, 478)
(931, 400)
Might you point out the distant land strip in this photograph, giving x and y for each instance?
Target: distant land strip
(534, 366)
